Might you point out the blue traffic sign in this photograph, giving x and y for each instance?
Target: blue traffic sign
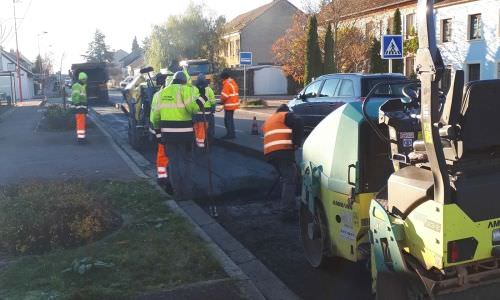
(245, 58)
(392, 47)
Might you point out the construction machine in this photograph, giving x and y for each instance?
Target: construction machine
(138, 95)
(408, 183)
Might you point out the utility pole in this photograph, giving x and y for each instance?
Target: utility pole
(41, 63)
(17, 51)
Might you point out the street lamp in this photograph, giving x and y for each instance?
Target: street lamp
(41, 62)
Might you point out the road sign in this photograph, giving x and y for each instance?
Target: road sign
(392, 47)
(245, 58)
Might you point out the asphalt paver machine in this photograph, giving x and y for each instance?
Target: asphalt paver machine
(138, 95)
(410, 184)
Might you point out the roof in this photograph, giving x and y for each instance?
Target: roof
(241, 21)
(129, 59)
(362, 7)
(12, 58)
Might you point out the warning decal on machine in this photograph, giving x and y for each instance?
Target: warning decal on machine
(347, 234)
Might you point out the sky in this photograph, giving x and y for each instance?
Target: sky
(70, 24)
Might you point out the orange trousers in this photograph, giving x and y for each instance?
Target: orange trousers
(161, 162)
(200, 131)
(81, 125)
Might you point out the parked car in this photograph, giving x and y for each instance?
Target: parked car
(126, 81)
(328, 92)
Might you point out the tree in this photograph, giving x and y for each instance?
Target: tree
(192, 34)
(397, 64)
(98, 50)
(329, 58)
(289, 50)
(352, 49)
(377, 64)
(313, 65)
(135, 45)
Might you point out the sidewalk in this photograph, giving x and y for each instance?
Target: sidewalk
(29, 153)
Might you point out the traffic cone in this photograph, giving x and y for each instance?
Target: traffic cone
(255, 129)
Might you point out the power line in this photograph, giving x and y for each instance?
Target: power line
(24, 15)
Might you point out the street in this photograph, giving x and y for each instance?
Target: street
(241, 184)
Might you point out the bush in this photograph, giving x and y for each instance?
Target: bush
(37, 218)
(59, 118)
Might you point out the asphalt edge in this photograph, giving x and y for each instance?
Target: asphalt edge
(229, 266)
(254, 153)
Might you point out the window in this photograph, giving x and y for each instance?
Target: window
(475, 27)
(410, 67)
(329, 88)
(390, 24)
(474, 72)
(313, 89)
(446, 30)
(410, 25)
(346, 88)
(369, 29)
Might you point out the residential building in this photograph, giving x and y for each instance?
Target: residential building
(256, 31)
(132, 63)
(467, 31)
(9, 81)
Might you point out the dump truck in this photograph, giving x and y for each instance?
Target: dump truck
(197, 66)
(98, 77)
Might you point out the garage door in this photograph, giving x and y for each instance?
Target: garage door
(270, 81)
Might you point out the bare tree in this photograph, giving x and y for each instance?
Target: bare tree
(313, 6)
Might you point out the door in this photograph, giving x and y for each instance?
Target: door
(305, 104)
(345, 92)
(326, 102)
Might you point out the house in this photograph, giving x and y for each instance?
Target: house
(9, 81)
(256, 31)
(467, 31)
(132, 63)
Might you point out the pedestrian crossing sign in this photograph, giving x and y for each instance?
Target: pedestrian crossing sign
(392, 47)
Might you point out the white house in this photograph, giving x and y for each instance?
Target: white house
(467, 31)
(9, 81)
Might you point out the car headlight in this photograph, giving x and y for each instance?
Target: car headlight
(496, 236)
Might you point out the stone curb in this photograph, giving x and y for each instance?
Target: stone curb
(256, 280)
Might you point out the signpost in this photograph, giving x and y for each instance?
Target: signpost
(245, 60)
(391, 48)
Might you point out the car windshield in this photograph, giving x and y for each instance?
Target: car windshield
(393, 90)
(200, 68)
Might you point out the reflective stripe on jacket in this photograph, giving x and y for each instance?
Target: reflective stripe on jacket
(277, 136)
(229, 95)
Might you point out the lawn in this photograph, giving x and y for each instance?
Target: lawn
(152, 249)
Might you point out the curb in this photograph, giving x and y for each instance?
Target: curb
(239, 263)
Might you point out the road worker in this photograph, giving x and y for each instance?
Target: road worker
(204, 120)
(173, 113)
(231, 101)
(79, 102)
(162, 80)
(283, 133)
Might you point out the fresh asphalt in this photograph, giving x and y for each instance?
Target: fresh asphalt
(240, 186)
